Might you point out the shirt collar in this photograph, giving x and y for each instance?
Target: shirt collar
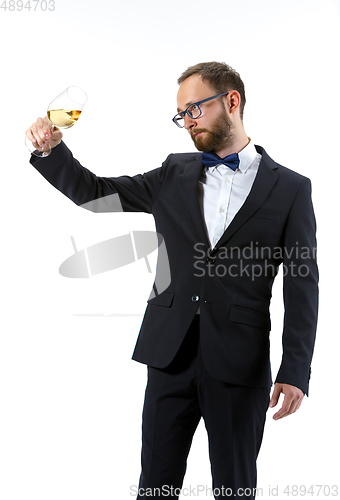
(247, 155)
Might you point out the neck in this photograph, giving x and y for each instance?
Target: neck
(238, 142)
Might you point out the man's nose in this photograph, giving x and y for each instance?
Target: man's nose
(189, 122)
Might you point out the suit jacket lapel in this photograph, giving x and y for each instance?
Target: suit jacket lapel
(191, 176)
(264, 182)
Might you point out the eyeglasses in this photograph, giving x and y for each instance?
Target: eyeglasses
(193, 111)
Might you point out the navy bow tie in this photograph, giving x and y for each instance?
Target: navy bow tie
(211, 160)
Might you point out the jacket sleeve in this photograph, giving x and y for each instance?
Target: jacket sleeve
(300, 291)
(99, 194)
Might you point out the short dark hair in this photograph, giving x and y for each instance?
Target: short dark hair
(220, 76)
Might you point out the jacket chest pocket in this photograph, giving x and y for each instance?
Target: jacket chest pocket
(267, 215)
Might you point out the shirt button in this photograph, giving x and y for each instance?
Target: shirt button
(227, 180)
(221, 210)
(195, 298)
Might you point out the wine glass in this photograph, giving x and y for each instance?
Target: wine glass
(63, 112)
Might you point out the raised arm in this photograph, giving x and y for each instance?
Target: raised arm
(64, 172)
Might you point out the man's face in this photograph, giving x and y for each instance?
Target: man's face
(212, 130)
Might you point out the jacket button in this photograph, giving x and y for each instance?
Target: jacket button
(195, 298)
(210, 259)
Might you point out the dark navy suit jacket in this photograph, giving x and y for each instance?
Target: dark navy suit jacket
(231, 284)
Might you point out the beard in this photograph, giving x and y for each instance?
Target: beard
(218, 137)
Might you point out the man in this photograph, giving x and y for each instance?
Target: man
(229, 218)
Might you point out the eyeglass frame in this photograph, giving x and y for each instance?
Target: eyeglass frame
(183, 113)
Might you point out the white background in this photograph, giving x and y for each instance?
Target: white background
(70, 396)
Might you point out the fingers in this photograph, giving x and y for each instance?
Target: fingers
(292, 400)
(275, 396)
(41, 134)
(287, 408)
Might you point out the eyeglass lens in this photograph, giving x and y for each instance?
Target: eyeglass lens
(193, 111)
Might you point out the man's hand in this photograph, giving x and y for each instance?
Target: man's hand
(293, 397)
(41, 134)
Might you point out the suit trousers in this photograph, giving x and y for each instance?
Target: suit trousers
(175, 400)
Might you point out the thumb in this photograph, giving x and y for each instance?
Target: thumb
(56, 137)
(275, 396)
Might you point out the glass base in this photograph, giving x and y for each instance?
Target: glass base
(36, 150)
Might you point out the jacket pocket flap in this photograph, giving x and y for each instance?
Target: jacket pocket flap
(163, 299)
(249, 317)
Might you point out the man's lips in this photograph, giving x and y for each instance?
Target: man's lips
(197, 133)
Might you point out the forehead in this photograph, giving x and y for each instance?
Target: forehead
(193, 89)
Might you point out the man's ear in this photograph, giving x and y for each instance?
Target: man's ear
(234, 101)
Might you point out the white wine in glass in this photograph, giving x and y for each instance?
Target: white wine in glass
(63, 112)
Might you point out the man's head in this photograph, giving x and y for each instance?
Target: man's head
(220, 77)
(220, 123)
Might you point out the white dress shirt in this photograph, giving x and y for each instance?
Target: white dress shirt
(223, 191)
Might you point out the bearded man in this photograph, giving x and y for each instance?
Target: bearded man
(229, 216)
